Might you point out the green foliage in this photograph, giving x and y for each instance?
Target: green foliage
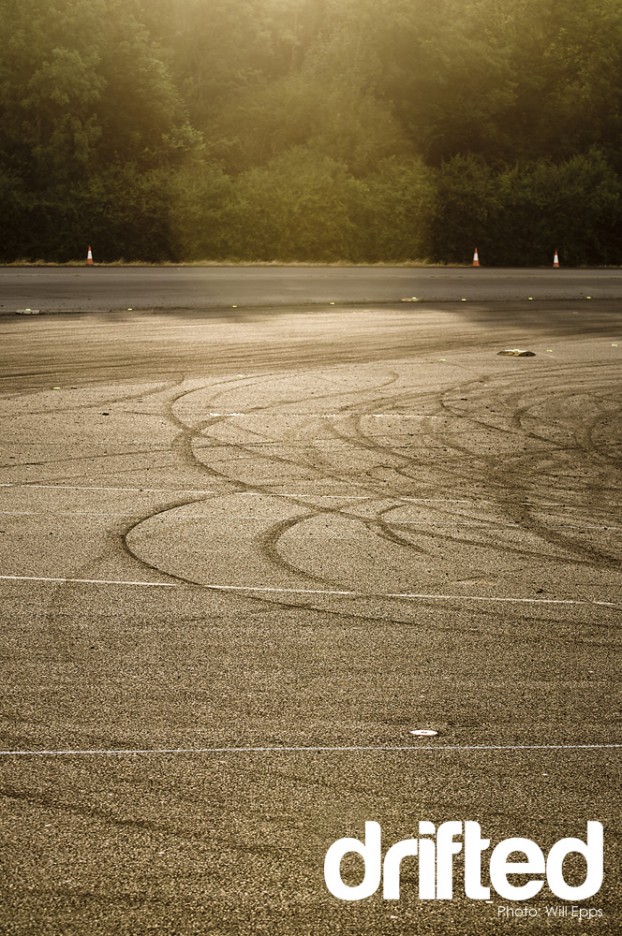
(311, 129)
(522, 214)
(127, 211)
(202, 212)
(574, 205)
(395, 212)
(469, 207)
(297, 207)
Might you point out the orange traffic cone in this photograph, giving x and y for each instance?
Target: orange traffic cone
(556, 261)
(89, 257)
(476, 258)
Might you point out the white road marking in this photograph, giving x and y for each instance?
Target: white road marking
(77, 581)
(344, 415)
(25, 485)
(325, 592)
(426, 748)
(468, 522)
(400, 595)
(93, 487)
(129, 513)
(478, 523)
(65, 513)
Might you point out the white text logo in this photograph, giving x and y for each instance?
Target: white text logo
(435, 851)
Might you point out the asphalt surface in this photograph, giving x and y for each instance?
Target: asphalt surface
(244, 554)
(114, 288)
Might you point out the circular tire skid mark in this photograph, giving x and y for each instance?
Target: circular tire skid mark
(475, 487)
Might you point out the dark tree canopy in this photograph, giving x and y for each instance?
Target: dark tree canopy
(363, 130)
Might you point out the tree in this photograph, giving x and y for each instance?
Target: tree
(311, 129)
(298, 207)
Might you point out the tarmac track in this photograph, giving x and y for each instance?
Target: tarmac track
(101, 289)
(261, 547)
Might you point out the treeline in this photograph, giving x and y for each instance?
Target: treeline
(321, 130)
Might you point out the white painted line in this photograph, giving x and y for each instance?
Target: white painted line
(92, 487)
(468, 522)
(472, 523)
(550, 601)
(294, 496)
(287, 591)
(65, 513)
(25, 485)
(76, 581)
(325, 592)
(425, 748)
(344, 415)
(408, 596)
(128, 513)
